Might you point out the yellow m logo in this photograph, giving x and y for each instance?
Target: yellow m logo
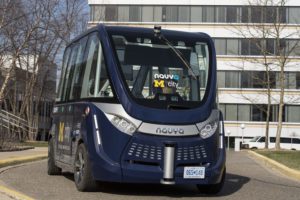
(61, 132)
(160, 83)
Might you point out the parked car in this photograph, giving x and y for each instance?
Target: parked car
(285, 143)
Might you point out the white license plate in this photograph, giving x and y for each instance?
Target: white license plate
(194, 172)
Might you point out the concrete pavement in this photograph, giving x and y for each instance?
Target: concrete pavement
(17, 157)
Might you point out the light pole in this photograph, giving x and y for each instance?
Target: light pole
(243, 127)
(228, 135)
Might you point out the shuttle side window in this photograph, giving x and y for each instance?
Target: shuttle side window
(77, 77)
(63, 73)
(70, 71)
(95, 80)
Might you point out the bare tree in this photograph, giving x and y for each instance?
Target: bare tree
(267, 32)
(36, 37)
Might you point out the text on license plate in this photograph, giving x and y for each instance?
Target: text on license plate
(194, 172)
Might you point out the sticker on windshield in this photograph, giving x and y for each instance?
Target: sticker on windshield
(165, 80)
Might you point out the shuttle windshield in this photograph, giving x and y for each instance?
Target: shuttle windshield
(156, 73)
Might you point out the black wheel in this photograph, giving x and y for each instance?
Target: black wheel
(52, 168)
(82, 170)
(213, 188)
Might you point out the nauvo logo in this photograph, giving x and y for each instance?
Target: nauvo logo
(170, 131)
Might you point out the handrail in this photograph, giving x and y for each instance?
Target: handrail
(10, 119)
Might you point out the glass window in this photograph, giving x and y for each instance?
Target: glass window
(147, 14)
(246, 79)
(255, 47)
(298, 80)
(293, 113)
(99, 13)
(208, 14)
(245, 15)
(221, 79)
(123, 13)
(258, 113)
(282, 14)
(231, 112)
(135, 13)
(294, 15)
(77, 77)
(286, 140)
(111, 13)
(184, 14)
(290, 80)
(171, 13)
(63, 72)
(232, 79)
(272, 139)
(296, 141)
(270, 14)
(245, 47)
(270, 46)
(232, 14)
(196, 14)
(157, 13)
(70, 72)
(293, 47)
(262, 139)
(220, 45)
(233, 47)
(244, 112)
(222, 108)
(256, 13)
(162, 80)
(220, 14)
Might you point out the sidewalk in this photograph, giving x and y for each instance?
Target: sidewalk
(16, 157)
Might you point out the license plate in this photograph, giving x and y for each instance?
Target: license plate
(194, 172)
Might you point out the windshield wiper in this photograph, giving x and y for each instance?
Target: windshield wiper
(157, 33)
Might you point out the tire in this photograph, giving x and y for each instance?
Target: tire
(52, 168)
(83, 178)
(213, 188)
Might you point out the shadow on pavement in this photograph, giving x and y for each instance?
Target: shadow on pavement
(233, 183)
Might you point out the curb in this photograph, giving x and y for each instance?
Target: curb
(14, 161)
(18, 160)
(292, 173)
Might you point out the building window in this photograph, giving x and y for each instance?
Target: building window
(147, 14)
(111, 13)
(232, 14)
(294, 15)
(233, 47)
(99, 13)
(221, 79)
(135, 13)
(293, 113)
(221, 14)
(196, 14)
(244, 112)
(231, 112)
(220, 46)
(232, 79)
(184, 14)
(208, 14)
(171, 14)
(123, 13)
(157, 14)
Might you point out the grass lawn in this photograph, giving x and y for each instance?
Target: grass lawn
(35, 143)
(289, 158)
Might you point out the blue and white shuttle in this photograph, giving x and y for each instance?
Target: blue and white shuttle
(138, 105)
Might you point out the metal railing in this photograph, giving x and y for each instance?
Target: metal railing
(11, 121)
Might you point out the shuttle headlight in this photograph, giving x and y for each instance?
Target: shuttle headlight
(122, 124)
(209, 129)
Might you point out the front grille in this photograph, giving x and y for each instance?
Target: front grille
(145, 152)
(191, 153)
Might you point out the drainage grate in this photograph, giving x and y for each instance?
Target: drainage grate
(190, 153)
(145, 151)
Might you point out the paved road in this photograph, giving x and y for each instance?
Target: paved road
(246, 179)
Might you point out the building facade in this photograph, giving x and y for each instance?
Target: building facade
(242, 95)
